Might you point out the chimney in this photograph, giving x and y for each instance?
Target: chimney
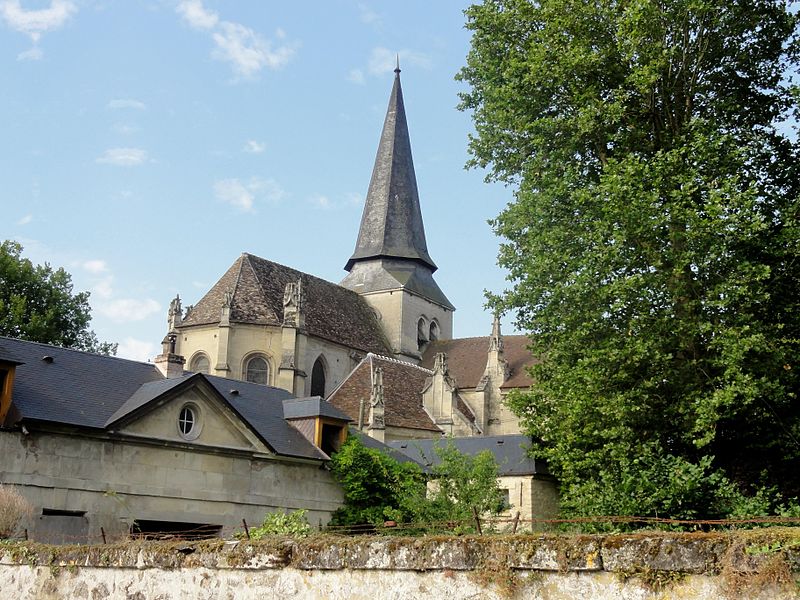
(169, 363)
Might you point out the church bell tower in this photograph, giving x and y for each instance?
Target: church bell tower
(391, 267)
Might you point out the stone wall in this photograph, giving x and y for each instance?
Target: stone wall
(761, 565)
(110, 483)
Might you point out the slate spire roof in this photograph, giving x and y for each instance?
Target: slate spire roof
(391, 225)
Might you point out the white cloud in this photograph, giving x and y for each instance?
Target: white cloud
(126, 103)
(36, 22)
(356, 76)
(123, 157)
(102, 288)
(125, 129)
(235, 193)
(243, 195)
(354, 199)
(125, 310)
(34, 53)
(367, 15)
(95, 266)
(25, 220)
(321, 201)
(134, 349)
(383, 60)
(254, 147)
(196, 15)
(246, 50)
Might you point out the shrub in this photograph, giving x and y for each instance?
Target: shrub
(281, 523)
(376, 486)
(13, 508)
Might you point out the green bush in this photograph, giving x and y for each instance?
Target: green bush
(280, 523)
(376, 487)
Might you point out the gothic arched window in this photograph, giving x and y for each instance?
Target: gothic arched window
(318, 378)
(422, 333)
(434, 331)
(256, 370)
(199, 364)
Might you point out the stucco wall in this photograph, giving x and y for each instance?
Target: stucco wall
(692, 567)
(117, 482)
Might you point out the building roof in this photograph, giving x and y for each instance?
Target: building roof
(70, 387)
(402, 393)
(391, 225)
(315, 406)
(510, 451)
(257, 287)
(466, 360)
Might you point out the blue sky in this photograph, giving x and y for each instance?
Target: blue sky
(147, 144)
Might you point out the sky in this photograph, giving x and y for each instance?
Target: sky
(147, 144)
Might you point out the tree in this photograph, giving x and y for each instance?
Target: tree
(377, 487)
(37, 304)
(652, 243)
(460, 486)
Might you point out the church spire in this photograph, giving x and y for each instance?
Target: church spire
(391, 225)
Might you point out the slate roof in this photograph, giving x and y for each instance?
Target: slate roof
(466, 359)
(510, 452)
(402, 391)
(395, 453)
(315, 406)
(332, 312)
(94, 391)
(75, 388)
(391, 225)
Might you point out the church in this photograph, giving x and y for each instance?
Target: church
(379, 345)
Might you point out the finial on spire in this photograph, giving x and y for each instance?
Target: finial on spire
(397, 68)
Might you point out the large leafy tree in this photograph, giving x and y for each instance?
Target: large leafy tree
(37, 304)
(652, 244)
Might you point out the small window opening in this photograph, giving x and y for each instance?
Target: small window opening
(331, 438)
(162, 530)
(187, 421)
(57, 512)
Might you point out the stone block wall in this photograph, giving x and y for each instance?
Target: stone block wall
(754, 565)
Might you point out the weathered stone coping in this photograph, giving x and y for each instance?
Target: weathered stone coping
(690, 553)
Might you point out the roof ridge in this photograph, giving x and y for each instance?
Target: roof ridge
(98, 354)
(397, 361)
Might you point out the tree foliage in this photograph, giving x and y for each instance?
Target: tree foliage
(652, 244)
(377, 488)
(460, 486)
(37, 304)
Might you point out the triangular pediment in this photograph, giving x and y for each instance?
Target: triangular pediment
(195, 414)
